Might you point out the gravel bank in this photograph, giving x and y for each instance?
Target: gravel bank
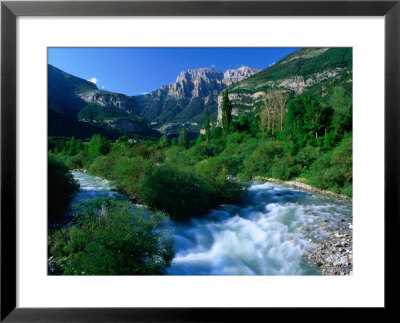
(303, 186)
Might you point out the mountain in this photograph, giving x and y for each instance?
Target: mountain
(184, 102)
(313, 70)
(78, 108)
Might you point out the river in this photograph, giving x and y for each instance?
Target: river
(267, 234)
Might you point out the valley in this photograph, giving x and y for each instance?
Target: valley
(192, 178)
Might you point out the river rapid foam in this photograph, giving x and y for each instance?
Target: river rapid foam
(269, 233)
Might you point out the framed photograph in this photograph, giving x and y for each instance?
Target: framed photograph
(197, 160)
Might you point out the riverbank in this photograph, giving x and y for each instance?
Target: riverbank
(334, 256)
(303, 186)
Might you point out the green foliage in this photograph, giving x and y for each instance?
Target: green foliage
(226, 112)
(98, 146)
(128, 172)
(179, 193)
(95, 112)
(306, 156)
(113, 237)
(123, 138)
(263, 158)
(207, 126)
(61, 187)
(303, 62)
(306, 120)
(342, 106)
(333, 170)
(163, 142)
(103, 165)
(183, 139)
(222, 188)
(204, 150)
(285, 168)
(73, 147)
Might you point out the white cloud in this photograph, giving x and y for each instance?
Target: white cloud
(213, 66)
(103, 87)
(143, 93)
(271, 64)
(94, 80)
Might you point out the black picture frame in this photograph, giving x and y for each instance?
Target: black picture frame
(10, 10)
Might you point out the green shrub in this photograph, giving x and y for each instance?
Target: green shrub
(113, 237)
(205, 150)
(98, 146)
(307, 155)
(104, 166)
(222, 188)
(61, 187)
(127, 173)
(333, 170)
(285, 168)
(262, 159)
(179, 193)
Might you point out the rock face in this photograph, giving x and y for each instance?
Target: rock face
(232, 76)
(186, 100)
(200, 73)
(296, 73)
(104, 112)
(109, 99)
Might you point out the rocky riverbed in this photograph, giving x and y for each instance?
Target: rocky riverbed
(334, 255)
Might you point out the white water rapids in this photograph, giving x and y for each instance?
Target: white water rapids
(266, 234)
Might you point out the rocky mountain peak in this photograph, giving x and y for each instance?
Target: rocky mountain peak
(200, 73)
(233, 76)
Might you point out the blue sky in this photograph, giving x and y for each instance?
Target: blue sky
(135, 71)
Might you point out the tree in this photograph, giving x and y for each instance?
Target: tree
(274, 110)
(163, 142)
(183, 139)
(98, 146)
(342, 106)
(306, 120)
(207, 125)
(267, 113)
(73, 147)
(226, 112)
(281, 99)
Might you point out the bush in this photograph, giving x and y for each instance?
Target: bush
(104, 166)
(285, 168)
(179, 193)
(333, 170)
(97, 146)
(127, 173)
(262, 159)
(61, 187)
(205, 150)
(113, 237)
(306, 156)
(221, 186)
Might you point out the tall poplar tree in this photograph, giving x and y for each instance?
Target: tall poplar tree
(183, 139)
(207, 125)
(226, 112)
